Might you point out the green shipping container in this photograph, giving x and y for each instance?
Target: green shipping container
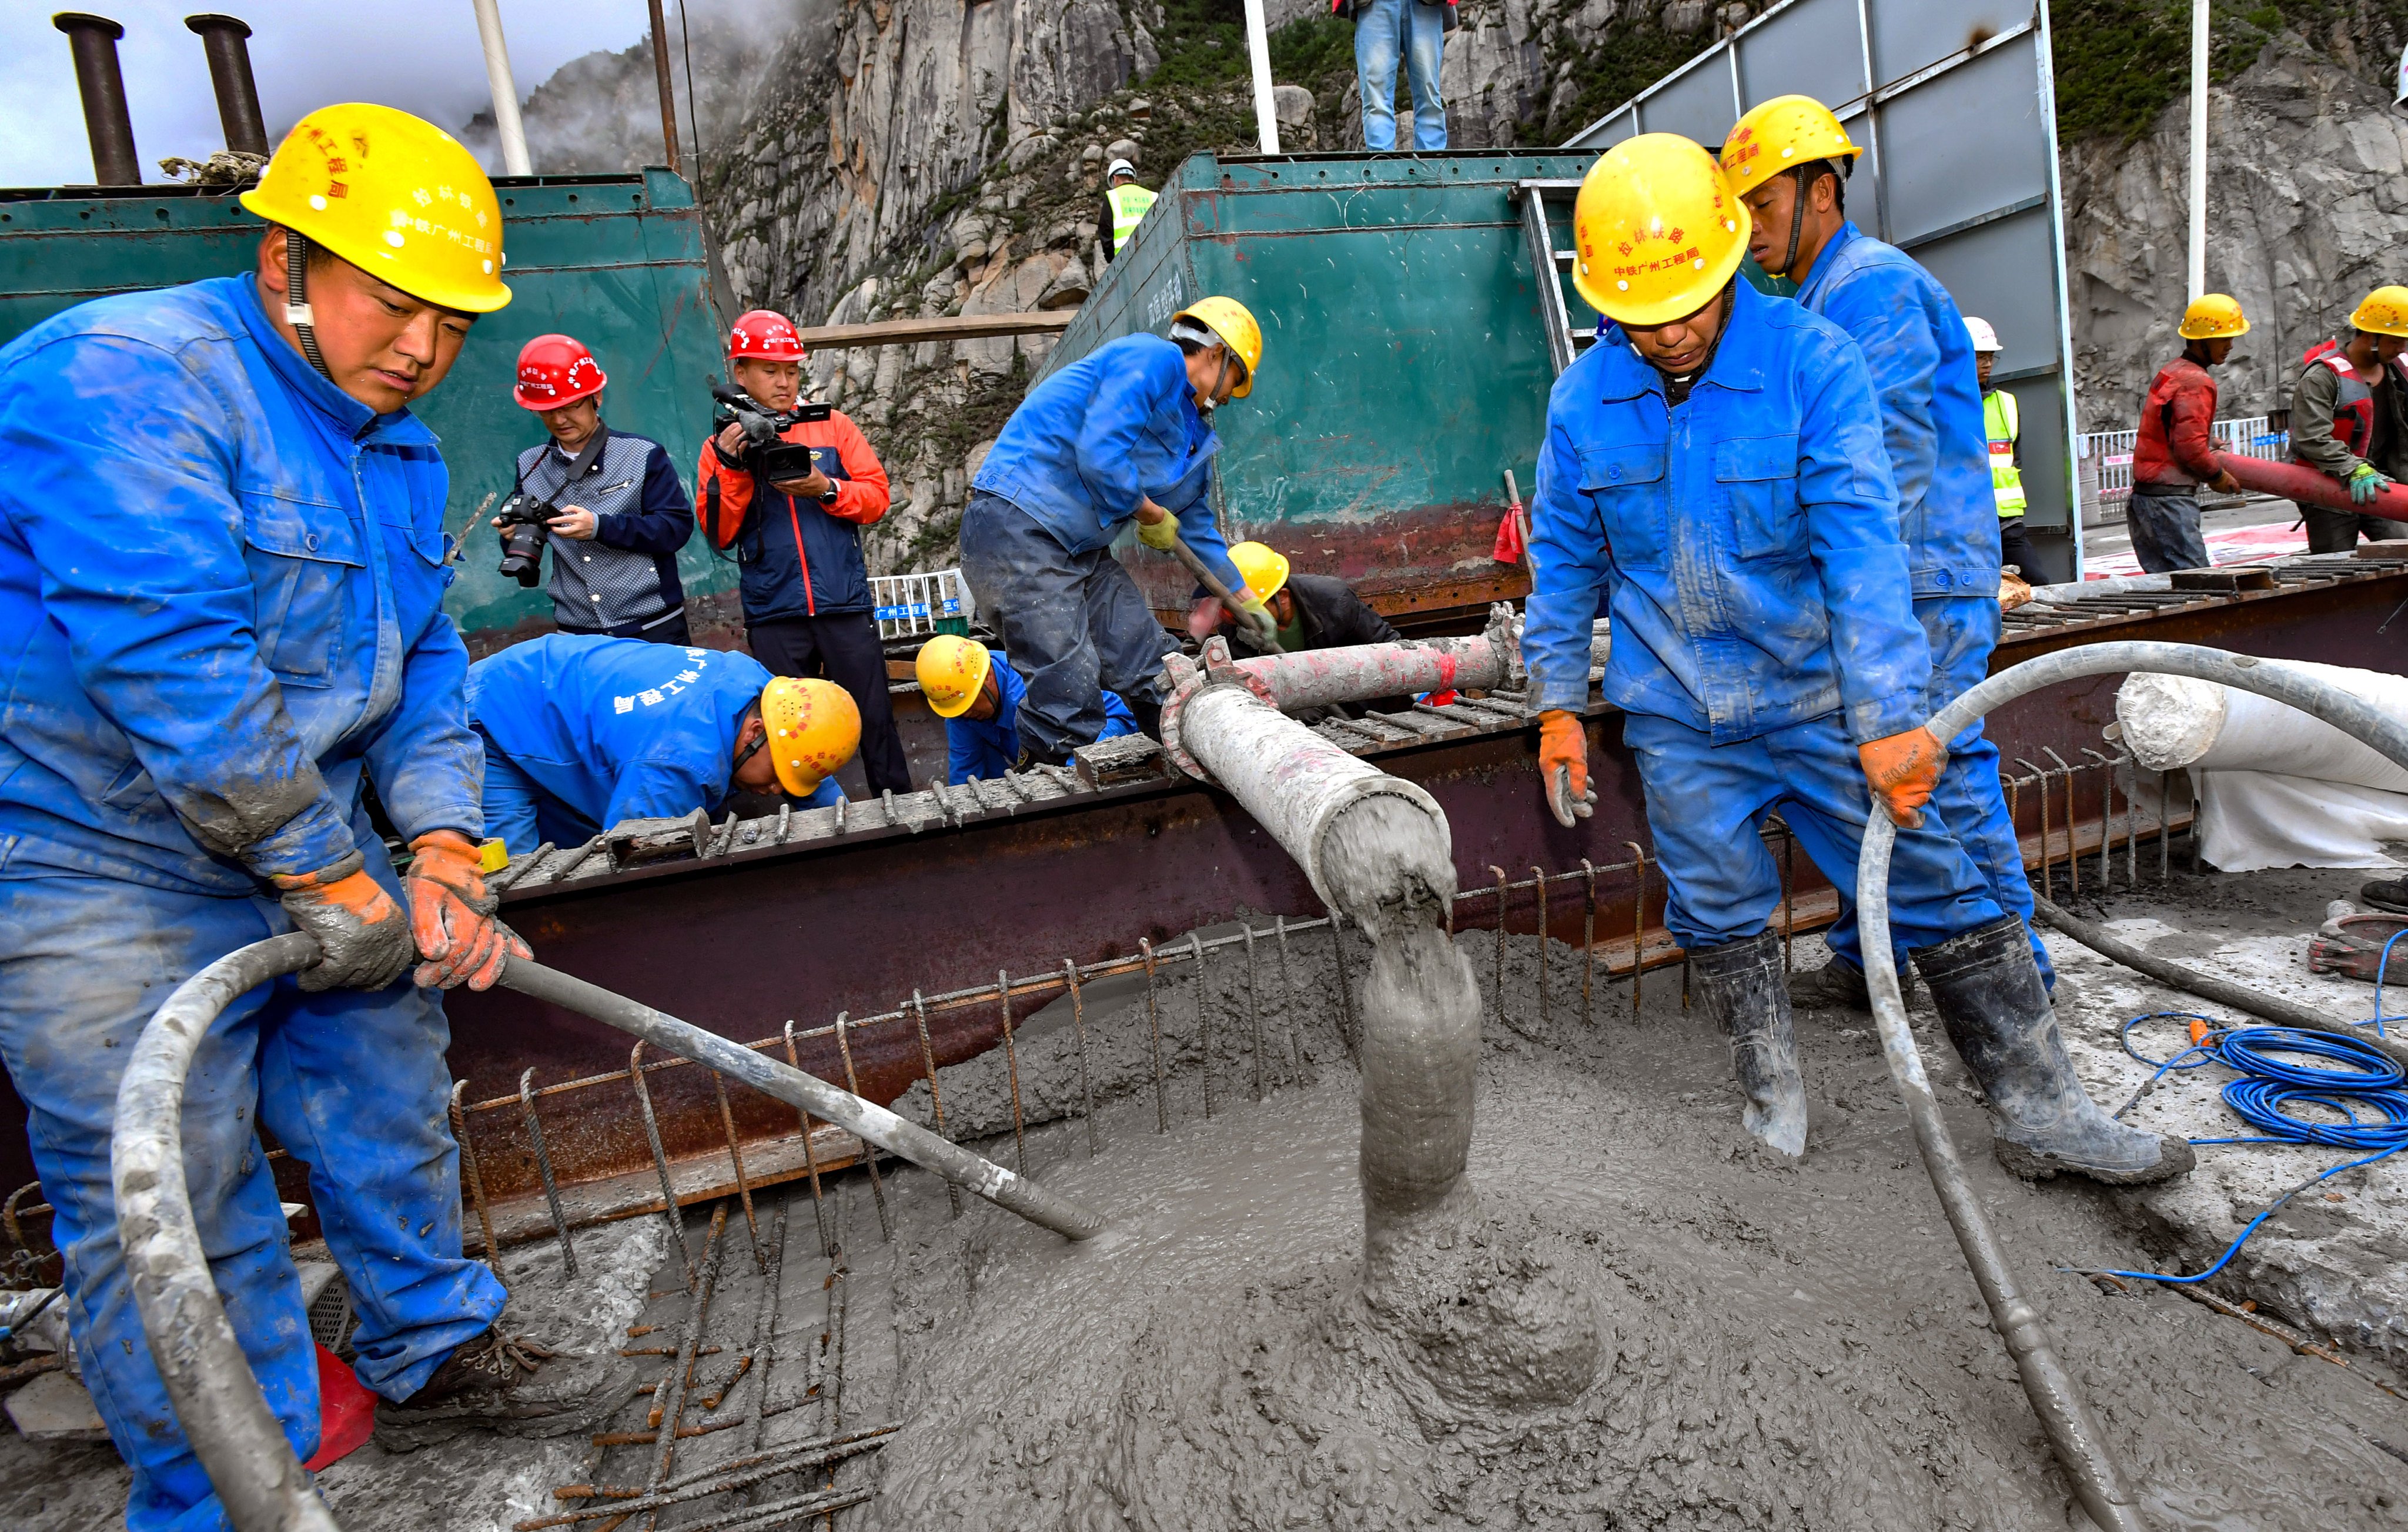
(616, 261)
(1405, 357)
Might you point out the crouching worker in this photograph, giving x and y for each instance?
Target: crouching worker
(977, 693)
(1121, 436)
(1715, 466)
(1307, 611)
(221, 619)
(581, 733)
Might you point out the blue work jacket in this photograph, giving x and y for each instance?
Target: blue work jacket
(221, 599)
(1921, 358)
(1747, 539)
(1112, 428)
(990, 749)
(619, 728)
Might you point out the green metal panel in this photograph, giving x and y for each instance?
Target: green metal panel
(617, 261)
(1404, 368)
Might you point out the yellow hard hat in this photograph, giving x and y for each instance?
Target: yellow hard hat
(814, 727)
(1264, 566)
(396, 197)
(2383, 312)
(1786, 131)
(1658, 229)
(2212, 316)
(952, 671)
(1235, 325)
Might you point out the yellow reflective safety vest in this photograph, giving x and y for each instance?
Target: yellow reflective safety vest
(2002, 424)
(1129, 205)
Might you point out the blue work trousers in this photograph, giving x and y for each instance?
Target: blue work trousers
(1706, 804)
(351, 1085)
(1969, 800)
(1074, 625)
(519, 812)
(1383, 29)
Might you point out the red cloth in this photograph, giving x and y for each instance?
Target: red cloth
(1509, 549)
(346, 1413)
(2176, 446)
(861, 499)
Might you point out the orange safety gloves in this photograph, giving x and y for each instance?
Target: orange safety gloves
(362, 940)
(1902, 769)
(451, 916)
(1563, 767)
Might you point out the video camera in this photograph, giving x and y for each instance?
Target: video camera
(523, 520)
(765, 452)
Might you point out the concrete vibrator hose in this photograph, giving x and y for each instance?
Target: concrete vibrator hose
(217, 1397)
(2065, 1416)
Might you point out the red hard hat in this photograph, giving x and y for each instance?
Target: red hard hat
(556, 370)
(765, 336)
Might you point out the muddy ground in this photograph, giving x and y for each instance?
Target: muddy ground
(1784, 1345)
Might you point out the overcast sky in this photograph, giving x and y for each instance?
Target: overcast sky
(421, 55)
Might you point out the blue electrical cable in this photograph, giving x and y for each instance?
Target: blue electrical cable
(2354, 1079)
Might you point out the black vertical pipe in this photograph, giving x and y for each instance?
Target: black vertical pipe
(222, 39)
(105, 120)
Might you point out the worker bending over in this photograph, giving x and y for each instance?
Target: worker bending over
(582, 733)
(2176, 451)
(804, 583)
(222, 575)
(1789, 159)
(2350, 413)
(1307, 611)
(1714, 466)
(1122, 435)
(977, 693)
(2002, 428)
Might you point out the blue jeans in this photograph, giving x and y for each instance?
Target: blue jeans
(2165, 532)
(1074, 625)
(353, 1084)
(1383, 29)
(1963, 630)
(1706, 802)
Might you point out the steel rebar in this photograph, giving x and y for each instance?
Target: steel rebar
(1079, 1027)
(811, 1157)
(544, 1167)
(1012, 1067)
(868, 1151)
(1153, 1026)
(660, 1159)
(469, 1172)
(936, 1092)
(1588, 940)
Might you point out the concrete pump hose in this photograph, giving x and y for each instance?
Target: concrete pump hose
(2072, 1430)
(217, 1396)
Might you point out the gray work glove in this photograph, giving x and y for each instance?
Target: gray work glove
(363, 937)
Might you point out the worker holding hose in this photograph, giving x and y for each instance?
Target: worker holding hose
(222, 570)
(1789, 158)
(2349, 420)
(1714, 466)
(1121, 438)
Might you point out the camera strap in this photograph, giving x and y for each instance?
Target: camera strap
(584, 463)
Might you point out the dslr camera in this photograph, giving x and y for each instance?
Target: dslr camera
(765, 454)
(524, 519)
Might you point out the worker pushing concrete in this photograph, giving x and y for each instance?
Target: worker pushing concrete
(1789, 158)
(977, 693)
(1714, 465)
(222, 568)
(1122, 436)
(581, 731)
(2175, 452)
(2349, 420)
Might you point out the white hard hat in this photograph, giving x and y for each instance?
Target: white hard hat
(1984, 338)
(2400, 81)
(1119, 168)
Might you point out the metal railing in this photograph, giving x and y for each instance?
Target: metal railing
(2105, 457)
(922, 605)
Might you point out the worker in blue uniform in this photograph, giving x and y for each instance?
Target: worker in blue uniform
(222, 570)
(1714, 464)
(1789, 158)
(979, 696)
(581, 731)
(1122, 436)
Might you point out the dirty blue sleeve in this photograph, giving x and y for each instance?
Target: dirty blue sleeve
(1877, 305)
(140, 549)
(428, 765)
(660, 522)
(965, 751)
(1121, 445)
(1844, 488)
(1569, 563)
(670, 784)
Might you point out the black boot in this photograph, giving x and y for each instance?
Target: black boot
(1839, 985)
(1988, 994)
(2386, 894)
(1738, 984)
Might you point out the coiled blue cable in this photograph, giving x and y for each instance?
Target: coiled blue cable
(2355, 1079)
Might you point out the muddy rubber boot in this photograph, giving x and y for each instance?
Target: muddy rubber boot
(1738, 984)
(2386, 894)
(512, 1385)
(1988, 991)
(1839, 985)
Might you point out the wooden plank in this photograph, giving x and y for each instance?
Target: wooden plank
(902, 332)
